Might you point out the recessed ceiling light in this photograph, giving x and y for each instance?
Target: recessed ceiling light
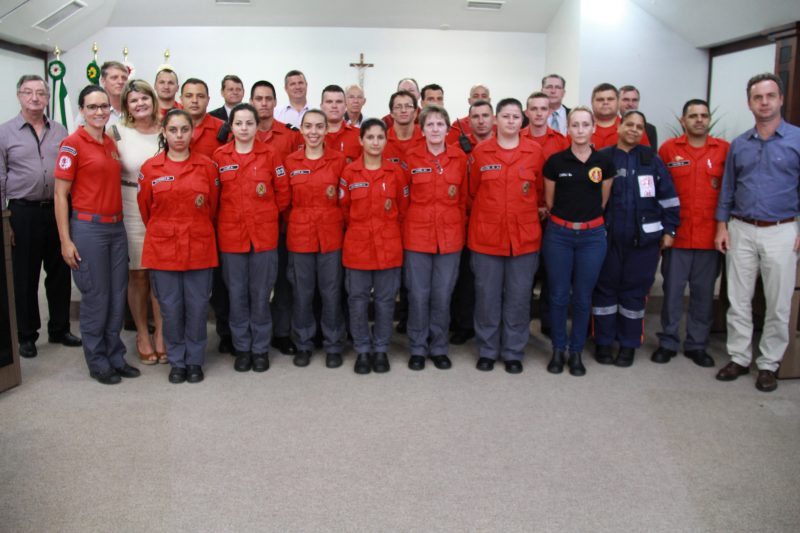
(486, 5)
(59, 16)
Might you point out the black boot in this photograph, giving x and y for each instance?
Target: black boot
(556, 365)
(575, 364)
(363, 363)
(625, 356)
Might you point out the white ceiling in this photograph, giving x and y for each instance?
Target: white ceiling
(701, 22)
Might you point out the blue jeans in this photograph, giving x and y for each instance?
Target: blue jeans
(573, 259)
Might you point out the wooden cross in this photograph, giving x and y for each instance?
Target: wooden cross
(361, 66)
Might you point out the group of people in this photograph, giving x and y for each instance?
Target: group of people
(290, 228)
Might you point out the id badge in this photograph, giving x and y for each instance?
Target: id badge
(647, 187)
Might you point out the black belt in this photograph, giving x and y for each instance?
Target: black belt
(764, 223)
(31, 203)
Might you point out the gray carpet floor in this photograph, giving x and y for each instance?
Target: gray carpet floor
(650, 448)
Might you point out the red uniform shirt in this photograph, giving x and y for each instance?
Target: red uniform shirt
(608, 135)
(178, 203)
(95, 172)
(551, 142)
(346, 141)
(436, 218)
(373, 203)
(404, 146)
(282, 139)
(253, 191)
(176, 105)
(316, 223)
(505, 217)
(697, 175)
(459, 126)
(204, 136)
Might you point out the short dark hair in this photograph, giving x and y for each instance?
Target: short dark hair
(430, 87)
(25, 78)
(231, 77)
(331, 89)
(262, 83)
(629, 88)
(242, 107)
(507, 102)
(766, 76)
(429, 110)
(369, 123)
(89, 89)
(112, 64)
(479, 103)
(693, 101)
(604, 87)
(194, 81)
(401, 93)
(168, 71)
(292, 73)
(563, 81)
(626, 114)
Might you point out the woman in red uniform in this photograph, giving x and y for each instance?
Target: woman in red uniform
(314, 239)
(253, 191)
(505, 237)
(178, 194)
(433, 236)
(373, 195)
(93, 242)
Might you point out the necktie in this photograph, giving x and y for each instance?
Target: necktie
(554, 122)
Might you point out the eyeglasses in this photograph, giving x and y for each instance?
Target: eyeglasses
(95, 107)
(401, 107)
(27, 93)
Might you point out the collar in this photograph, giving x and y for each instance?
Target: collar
(683, 140)
(83, 134)
(160, 160)
(20, 122)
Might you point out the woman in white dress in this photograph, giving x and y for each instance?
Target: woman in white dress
(137, 141)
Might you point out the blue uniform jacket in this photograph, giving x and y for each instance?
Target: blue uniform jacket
(643, 202)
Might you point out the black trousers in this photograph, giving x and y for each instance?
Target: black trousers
(37, 243)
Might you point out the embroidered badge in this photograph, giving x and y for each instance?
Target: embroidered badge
(451, 191)
(387, 204)
(425, 170)
(228, 168)
(596, 174)
(261, 189)
(331, 191)
(199, 201)
(280, 171)
(526, 186)
(64, 162)
(162, 178)
(69, 150)
(485, 168)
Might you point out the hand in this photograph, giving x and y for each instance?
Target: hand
(666, 241)
(543, 212)
(722, 240)
(797, 244)
(14, 241)
(70, 254)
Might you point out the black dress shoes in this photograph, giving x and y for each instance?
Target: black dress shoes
(128, 371)
(177, 375)
(416, 362)
(194, 373)
(27, 349)
(225, 344)
(625, 357)
(380, 363)
(108, 377)
(485, 364)
(260, 362)
(302, 358)
(575, 364)
(602, 354)
(363, 364)
(284, 345)
(244, 362)
(67, 339)
(442, 362)
(513, 367)
(333, 360)
(662, 355)
(461, 336)
(700, 358)
(556, 364)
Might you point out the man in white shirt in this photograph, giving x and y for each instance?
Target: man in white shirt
(296, 89)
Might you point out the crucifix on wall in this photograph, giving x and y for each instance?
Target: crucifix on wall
(361, 66)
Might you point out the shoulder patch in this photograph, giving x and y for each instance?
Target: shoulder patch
(140, 177)
(228, 168)
(280, 171)
(299, 172)
(64, 162)
(486, 168)
(69, 150)
(421, 170)
(216, 182)
(406, 191)
(162, 178)
(343, 182)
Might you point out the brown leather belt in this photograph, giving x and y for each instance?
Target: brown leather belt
(765, 223)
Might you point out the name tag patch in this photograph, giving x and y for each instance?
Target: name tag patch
(162, 178)
(674, 164)
(228, 168)
(647, 186)
(426, 170)
(359, 185)
(486, 168)
(299, 172)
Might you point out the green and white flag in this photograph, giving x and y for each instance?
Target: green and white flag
(60, 110)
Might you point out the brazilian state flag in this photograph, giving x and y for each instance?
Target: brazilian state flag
(93, 72)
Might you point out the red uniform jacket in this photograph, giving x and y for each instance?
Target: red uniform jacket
(204, 136)
(253, 190)
(346, 141)
(608, 135)
(505, 217)
(282, 139)
(178, 202)
(697, 175)
(401, 147)
(436, 218)
(316, 223)
(373, 203)
(551, 142)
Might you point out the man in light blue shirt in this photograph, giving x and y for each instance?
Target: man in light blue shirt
(757, 230)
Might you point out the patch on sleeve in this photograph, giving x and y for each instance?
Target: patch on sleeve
(486, 168)
(406, 191)
(162, 178)
(280, 171)
(64, 162)
(140, 176)
(228, 168)
(343, 182)
(69, 150)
